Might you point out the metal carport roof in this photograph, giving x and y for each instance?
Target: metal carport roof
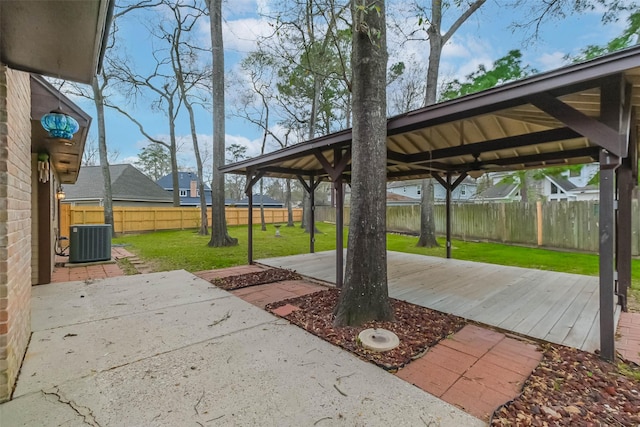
(553, 118)
(576, 114)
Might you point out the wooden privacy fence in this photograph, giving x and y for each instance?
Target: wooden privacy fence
(565, 225)
(132, 220)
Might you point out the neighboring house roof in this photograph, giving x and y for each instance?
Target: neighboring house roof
(587, 189)
(393, 197)
(500, 191)
(127, 183)
(257, 199)
(184, 181)
(562, 183)
(399, 184)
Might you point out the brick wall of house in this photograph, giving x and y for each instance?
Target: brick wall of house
(15, 224)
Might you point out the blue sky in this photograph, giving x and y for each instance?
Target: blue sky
(485, 37)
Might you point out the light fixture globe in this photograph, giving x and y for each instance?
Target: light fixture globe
(59, 125)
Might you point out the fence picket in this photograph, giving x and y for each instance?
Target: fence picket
(565, 225)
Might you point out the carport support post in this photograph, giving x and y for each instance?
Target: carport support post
(448, 202)
(250, 221)
(625, 184)
(608, 165)
(339, 231)
(312, 215)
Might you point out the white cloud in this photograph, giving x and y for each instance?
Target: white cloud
(241, 34)
(550, 61)
(453, 49)
(130, 160)
(253, 146)
(239, 7)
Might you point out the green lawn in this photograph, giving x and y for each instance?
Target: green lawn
(170, 250)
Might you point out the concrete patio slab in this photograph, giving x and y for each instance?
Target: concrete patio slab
(76, 302)
(250, 369)
(59, 354)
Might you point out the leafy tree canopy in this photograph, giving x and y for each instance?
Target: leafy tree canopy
(506, 69)
(629, 37)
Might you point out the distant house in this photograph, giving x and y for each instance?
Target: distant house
(188, 188)
(257, 200)
(551, 188)
(412, 188)
(394, 199)
(588, 192)
(500, 192)
(129, 187)
(557, 188)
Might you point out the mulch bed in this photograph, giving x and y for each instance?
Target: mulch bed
(572, 387)
(569, 387)
(417, 327)
(259, 278)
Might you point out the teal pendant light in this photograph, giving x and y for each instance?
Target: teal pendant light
(59, 125)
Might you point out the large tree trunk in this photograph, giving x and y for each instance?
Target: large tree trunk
(263, 224)
(204, 223)
(305, 210)
(219, 235)
(175, 181)
(427, 219)
(365, 295)
(102, 150)
(437, 40)
(524, 187)
(288, 203)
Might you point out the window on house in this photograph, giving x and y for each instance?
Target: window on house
(554, 188)
(463, 190)
(573, 173)
(404, 189)
(418, 191)
(183, 193)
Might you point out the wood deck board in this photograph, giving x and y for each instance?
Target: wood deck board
(585, 320)
(537, 309)
(557, 307)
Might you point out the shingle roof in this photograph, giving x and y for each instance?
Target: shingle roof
(393, 197)
(562, 182)
(498, 191)
(127, 183)
(257, 198)
(184, 181)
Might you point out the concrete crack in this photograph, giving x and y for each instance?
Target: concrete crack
(82, 411)
(222, 319)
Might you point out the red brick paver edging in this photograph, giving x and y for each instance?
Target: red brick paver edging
(477, 369)
(628, 341)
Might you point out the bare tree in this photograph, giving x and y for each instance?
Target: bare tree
(90, 155)
(160, 88)
(183, 55)
(235, 183)
(219, 235)
(430, 20)
(365, 295)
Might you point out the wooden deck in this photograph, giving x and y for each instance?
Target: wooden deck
(557, 307)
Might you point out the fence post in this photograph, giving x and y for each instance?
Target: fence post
(539, 221)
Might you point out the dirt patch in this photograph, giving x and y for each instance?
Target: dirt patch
(417, 327)
(258, 278)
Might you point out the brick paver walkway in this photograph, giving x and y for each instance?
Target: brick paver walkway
(628, 342)
(262, 295)
(476, 369)
(91, 271)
